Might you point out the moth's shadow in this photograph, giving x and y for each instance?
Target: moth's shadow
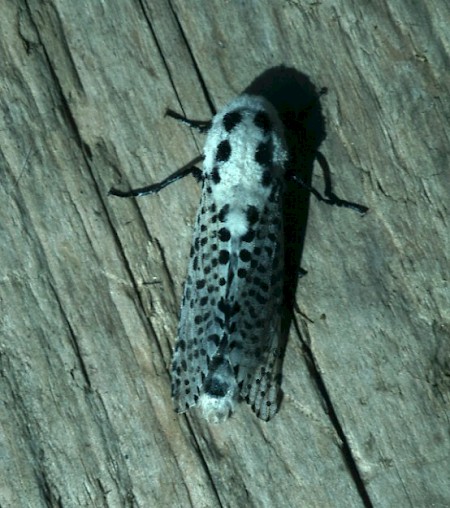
(297, 101)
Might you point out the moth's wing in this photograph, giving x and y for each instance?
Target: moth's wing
(232, 299)
(256, 357)
(265, 386)
(198, 331)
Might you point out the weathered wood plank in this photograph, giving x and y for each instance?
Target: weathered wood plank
(90, 285)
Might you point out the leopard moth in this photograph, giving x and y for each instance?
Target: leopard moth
(227, 347)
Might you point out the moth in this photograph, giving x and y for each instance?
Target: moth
(228, 344)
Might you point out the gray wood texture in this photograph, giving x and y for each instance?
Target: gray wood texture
(90, 285)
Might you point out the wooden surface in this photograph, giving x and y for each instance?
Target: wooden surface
(90, 285)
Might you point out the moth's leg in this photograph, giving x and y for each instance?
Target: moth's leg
(190, 168)
(330, 197)
(201, 125)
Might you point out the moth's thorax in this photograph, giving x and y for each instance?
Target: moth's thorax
(245, 152)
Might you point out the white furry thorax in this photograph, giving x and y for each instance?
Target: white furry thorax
(240, 172)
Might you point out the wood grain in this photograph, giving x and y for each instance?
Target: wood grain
(90, 285)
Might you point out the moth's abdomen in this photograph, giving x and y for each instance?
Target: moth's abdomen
(220, 391)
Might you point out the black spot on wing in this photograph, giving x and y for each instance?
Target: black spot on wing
(224, 212)
(245, 255)
(224, 234)
(227, 309)
(249, 236)
(224, 257)
(252, 214)
(242, 273)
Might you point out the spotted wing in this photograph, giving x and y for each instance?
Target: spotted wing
(199, 330)
(254, 343)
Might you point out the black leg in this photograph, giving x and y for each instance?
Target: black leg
(331, 197)
(156, 187)
(201, 125)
